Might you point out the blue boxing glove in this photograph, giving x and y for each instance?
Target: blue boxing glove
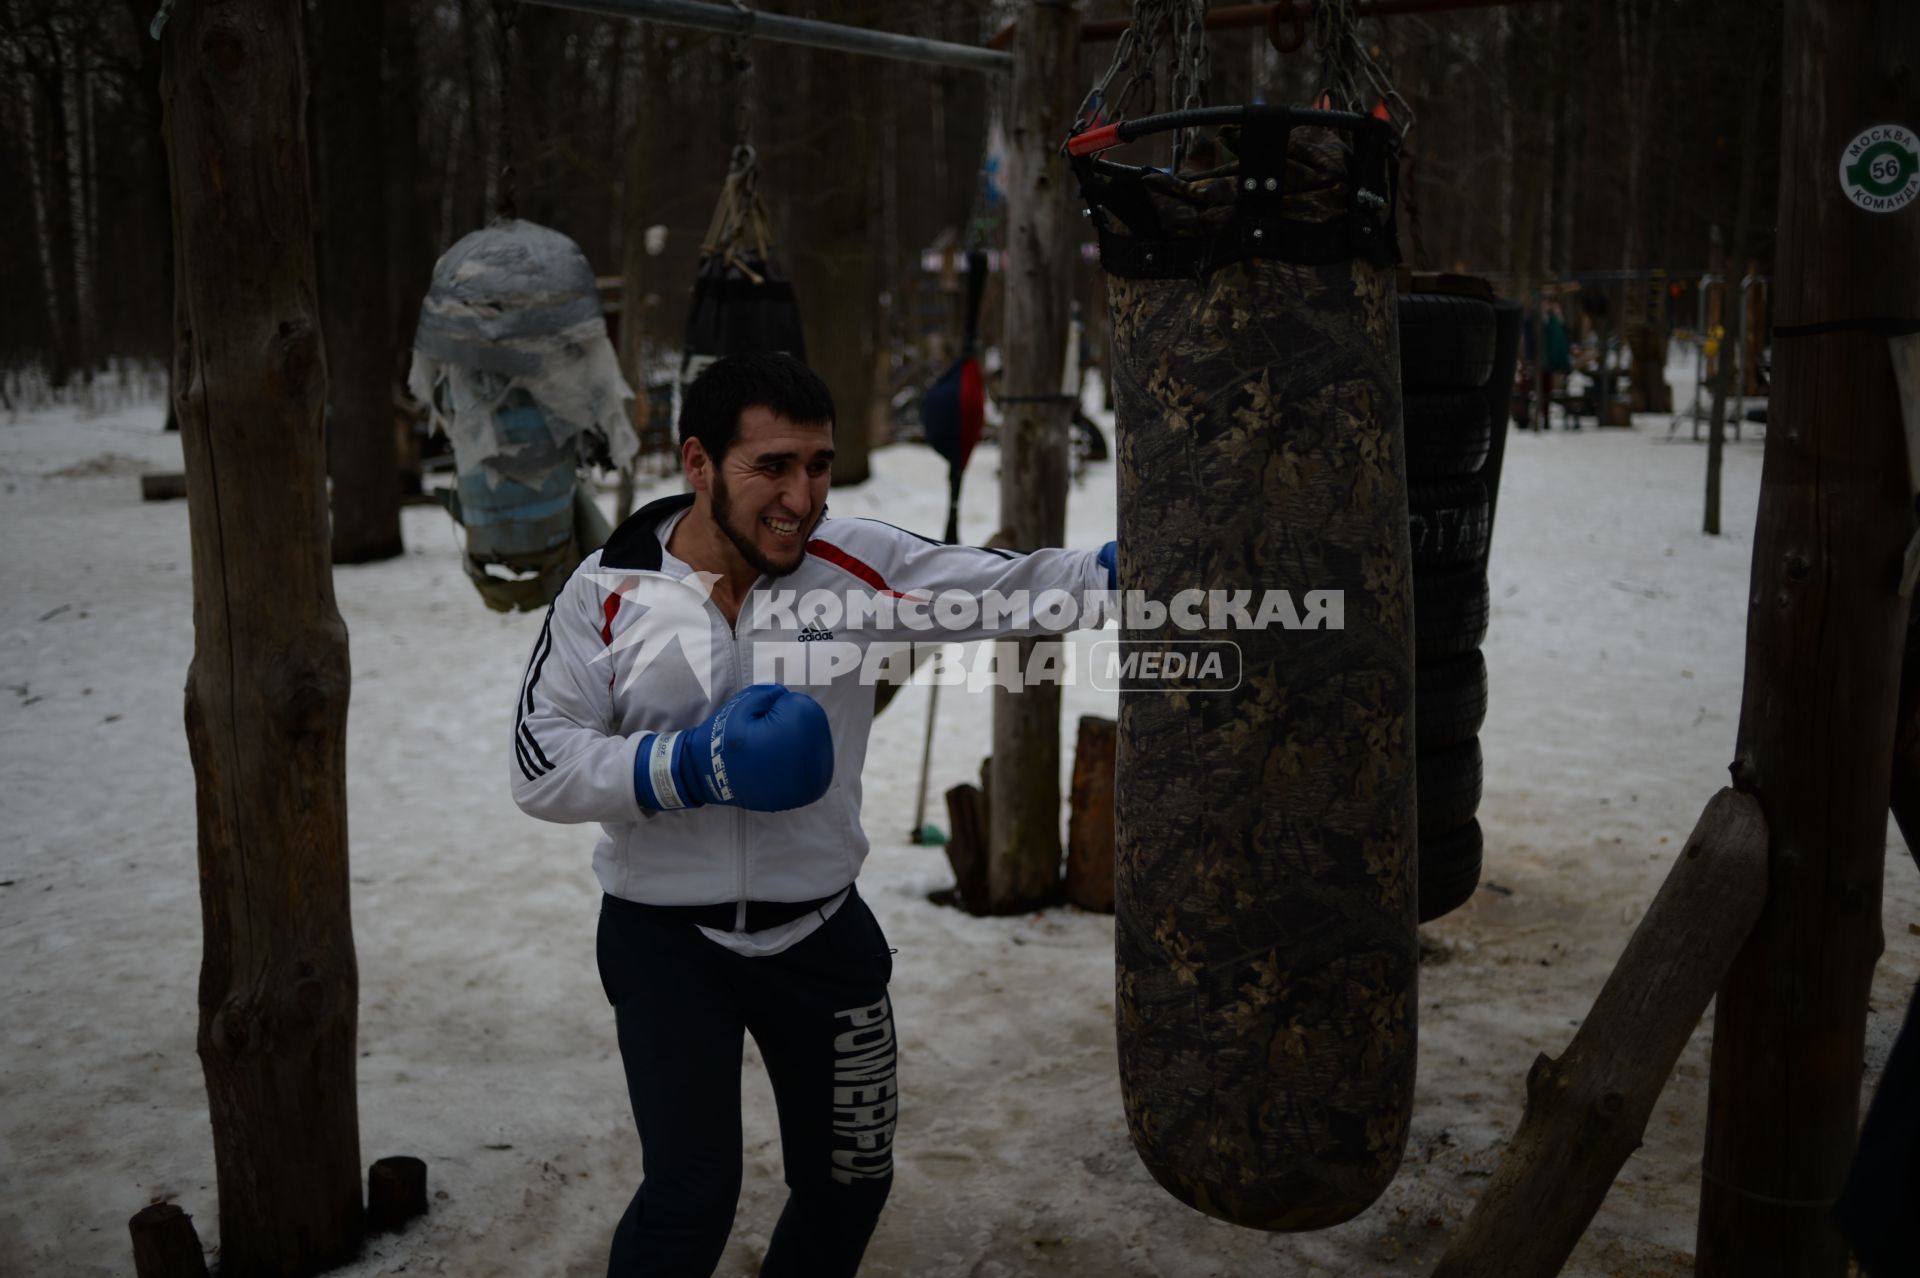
(1109, 558)
(767, 749)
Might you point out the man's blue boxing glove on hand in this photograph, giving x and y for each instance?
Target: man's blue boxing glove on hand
(767, 749)
(1109, 558)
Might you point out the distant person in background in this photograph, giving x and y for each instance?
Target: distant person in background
(1558, 361)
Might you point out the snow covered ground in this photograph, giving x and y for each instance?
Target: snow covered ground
(487, 1048)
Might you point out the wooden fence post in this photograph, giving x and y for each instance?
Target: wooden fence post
(1024, 818)
(266, 697)
(1824, 629)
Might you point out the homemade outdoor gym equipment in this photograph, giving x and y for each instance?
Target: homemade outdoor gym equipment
(1835, 515)
(512, 359)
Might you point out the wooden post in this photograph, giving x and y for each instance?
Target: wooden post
(1090, 829)
(1824, 634)
(1587, 1110)
(266, 697)
(165, 1243)
(1024, 819)
(967, 846)
(396, 1192)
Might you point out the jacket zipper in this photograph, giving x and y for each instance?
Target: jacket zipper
(738, 817)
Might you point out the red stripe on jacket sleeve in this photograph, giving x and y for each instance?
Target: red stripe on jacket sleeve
(826, 550)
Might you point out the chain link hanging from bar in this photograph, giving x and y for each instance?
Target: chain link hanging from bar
(1190, 69)
(1346, 62)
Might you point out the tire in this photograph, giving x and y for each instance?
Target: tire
(1449, 870)
(1449, 787)
(1446, 342)
(1448, 433)
(1449, 702)
(1450, 612)
(1447, 523)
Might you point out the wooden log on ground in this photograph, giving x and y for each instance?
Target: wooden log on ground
(163, 486)
(396, 1192)
(1586, 1110)
(1090, 822)
(165, 1244)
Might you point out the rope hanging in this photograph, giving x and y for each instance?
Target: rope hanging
(740, 302)
(506, 17)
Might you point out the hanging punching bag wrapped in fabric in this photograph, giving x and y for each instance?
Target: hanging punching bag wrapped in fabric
(512, 359)
(1266, 837)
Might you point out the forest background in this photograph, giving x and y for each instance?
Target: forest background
(1552, 140)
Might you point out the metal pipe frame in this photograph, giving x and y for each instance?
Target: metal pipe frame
(1293, 14)
(753, 24)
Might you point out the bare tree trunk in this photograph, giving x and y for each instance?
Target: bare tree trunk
(411, 250)
(1761, 67)
(831, 245)
(43, 246)
(266, 701)
(1638, 20)
(61, 222)
(637, 196)
(362, 458)
(1824, 636)
(86, 231)
(1024, 816)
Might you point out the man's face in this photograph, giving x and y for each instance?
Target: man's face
(770, 491)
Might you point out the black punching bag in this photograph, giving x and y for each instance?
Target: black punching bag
(1265, 885)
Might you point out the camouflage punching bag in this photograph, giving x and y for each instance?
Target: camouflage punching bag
(1265, 886)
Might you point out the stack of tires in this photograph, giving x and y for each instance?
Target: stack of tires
(1454, 371)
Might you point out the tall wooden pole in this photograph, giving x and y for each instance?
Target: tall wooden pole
(266, 703)
(1024, 809)
(1824, 630)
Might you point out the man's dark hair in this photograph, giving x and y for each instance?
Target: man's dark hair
(710, 411)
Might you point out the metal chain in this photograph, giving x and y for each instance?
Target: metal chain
(506, 15)
(1346, 61)
(1136, 52)
(1190, 69)
(1333, 27)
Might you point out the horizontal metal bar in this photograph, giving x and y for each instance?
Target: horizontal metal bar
(1283, 13)
(781, 29)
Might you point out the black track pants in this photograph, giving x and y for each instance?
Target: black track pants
(820, 1015)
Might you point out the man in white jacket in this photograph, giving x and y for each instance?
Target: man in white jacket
(715, 728)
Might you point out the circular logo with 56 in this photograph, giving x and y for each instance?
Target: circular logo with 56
(1880, 169)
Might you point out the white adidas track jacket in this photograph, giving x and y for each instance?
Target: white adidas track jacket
(632, 646)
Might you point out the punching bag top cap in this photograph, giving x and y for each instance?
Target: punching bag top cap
(510, 280)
